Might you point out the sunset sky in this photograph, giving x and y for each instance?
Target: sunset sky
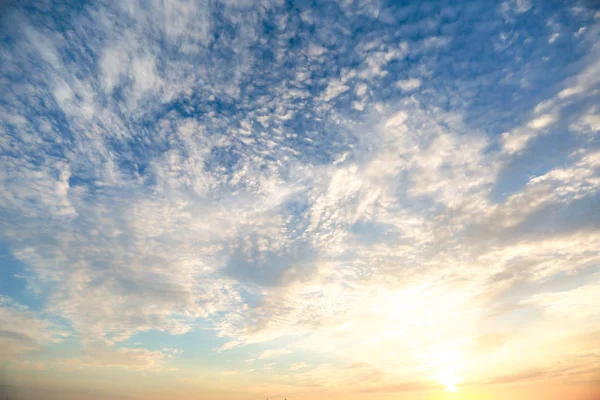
(242, 200)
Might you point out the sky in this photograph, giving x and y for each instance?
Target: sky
(240, 199)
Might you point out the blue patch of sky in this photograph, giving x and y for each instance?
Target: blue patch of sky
(268, 267)
(297, 209)
(201, 348)
(544, 154)
(560, 219)
(14, 284)
(200, 343)
(368, 232)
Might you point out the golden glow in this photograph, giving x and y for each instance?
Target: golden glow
(449, 378)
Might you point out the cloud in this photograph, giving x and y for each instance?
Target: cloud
(409, 84)
(298, 366)
(518, 140)
(573, 304)
(399, 387)
(333, 90)
(555, 110)
(106, 356)
(24, 331)
(519, 377)
(541, 122)
(517, 6)
(274, 353)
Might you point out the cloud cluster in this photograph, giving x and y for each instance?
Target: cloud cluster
(271, 176)
(24, 331)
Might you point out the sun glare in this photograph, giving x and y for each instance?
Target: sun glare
(449, 379)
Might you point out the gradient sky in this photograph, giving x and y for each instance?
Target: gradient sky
(239, 199)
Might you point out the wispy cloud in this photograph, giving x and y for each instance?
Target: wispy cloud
(273, 353)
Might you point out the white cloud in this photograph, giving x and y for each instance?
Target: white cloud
(298, 366)
(114, 65)
(106, 356)
(333, 90)
(517, 6)
(541, 121)
(409, 84)
(589, 123)
(575, 304)
(361, 89)
(315, 50)
(518, 140)
(274, 353)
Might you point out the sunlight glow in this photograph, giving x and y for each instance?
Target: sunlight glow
(449, 378)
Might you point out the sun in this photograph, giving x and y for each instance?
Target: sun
(448, 377)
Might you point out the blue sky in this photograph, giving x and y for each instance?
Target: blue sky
(231, 188)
